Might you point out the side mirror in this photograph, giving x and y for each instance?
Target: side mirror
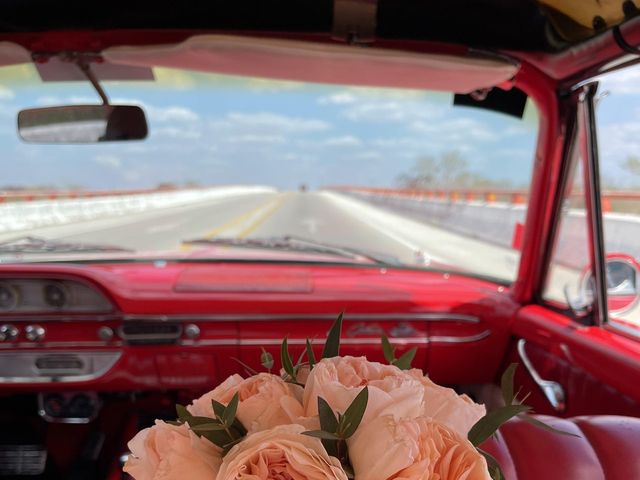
(82, 124)
(623, 282)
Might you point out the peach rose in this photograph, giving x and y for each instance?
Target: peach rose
(282, 452)
(168, 452)
(444, 405)
(338, 380)
(413, 449)
(265, 401)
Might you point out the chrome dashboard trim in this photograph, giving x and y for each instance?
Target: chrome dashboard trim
(407, 317)
(20, 367)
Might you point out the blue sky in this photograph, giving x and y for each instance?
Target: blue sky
(224, 130)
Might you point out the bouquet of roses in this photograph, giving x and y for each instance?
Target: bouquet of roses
(332, 418)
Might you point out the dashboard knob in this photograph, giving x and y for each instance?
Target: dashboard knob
(105, 333)
(192, 331)
(8, 333)
(34, 333)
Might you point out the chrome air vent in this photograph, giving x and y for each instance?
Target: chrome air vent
(18, 460)
(145, 333)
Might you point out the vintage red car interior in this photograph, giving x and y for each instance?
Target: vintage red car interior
(95, 344)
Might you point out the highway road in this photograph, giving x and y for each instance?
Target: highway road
(320, 215)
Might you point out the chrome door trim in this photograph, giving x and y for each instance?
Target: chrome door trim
(552, 391)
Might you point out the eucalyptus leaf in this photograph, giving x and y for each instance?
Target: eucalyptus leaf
(182, 411)
(495, 471)
(229, 414)
(321, 434)
(310, 355)
(285, 359)
(218, 409)
(545, 426)
(506, 383)
(328, 420)
(207, 427)
(489, 424)
(387, 350)
(266, 359)
(404, 362)
(332, 345)
(354, 413)
(193, 421)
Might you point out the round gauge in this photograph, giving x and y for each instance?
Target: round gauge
(55, 295)
(9, 297)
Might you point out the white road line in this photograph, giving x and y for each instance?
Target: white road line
(164, 228)
(378, 220)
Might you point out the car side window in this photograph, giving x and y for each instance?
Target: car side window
(566, 284)
(618, 127)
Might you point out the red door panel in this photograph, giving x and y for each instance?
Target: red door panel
(597, 369)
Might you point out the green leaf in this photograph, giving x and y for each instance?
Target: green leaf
(489, 424)
(404, 362)
(207, 427)
(285, 359)
(310, 355)
(328, 421)
(193, 421)
(229, 414)
(495, 471)
(218, 409)
(332, 345)
(544, 426)
(388, 350)
(354, 413)
(266, 359)
(321, 434)
(182, 411)
(506, 382)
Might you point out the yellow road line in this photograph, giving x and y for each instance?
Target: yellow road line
(260, 220)
(239, 219)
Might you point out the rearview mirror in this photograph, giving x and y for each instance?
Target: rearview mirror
(82, 124)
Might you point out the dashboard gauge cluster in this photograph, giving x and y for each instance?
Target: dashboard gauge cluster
(43, 295)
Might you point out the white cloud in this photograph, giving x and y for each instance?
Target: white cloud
(110, 161)
(343, 141)
(261, 122)
(338, 98)
(384, 111)
(176, 132)
(6, 93)
(265, 139)
(625, 81)
(456, 130)
(171, 114)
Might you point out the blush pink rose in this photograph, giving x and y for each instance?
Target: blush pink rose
(168, 452)
(444, 405)
(413, 449)
(280, 453)
(265, 401)
(338, 380)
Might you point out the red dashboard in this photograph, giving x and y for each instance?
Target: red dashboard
(164, 325)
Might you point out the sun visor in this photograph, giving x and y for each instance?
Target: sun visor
(13, 54)
(320, 63)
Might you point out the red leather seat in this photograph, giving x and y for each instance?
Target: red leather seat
(608, 449)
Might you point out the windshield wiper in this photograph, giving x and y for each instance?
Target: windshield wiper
(296, 244)
(43, 245)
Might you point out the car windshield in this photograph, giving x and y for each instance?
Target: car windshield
(379, 173)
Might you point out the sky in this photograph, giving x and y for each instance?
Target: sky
(216, 129)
